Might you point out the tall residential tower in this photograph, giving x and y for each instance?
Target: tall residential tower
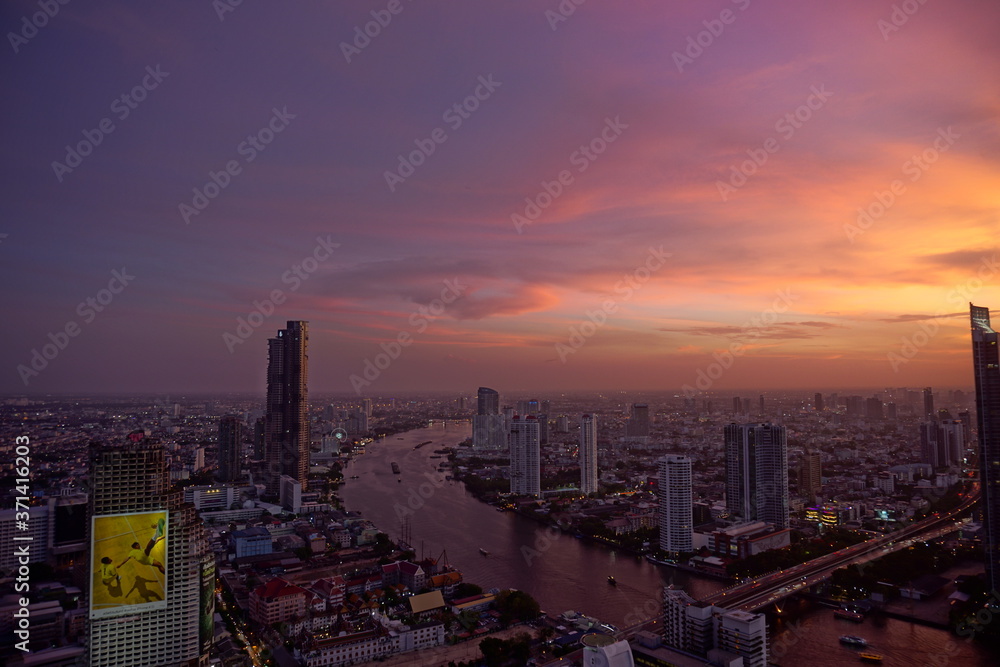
(230, 448)
(986, 364)
(757, 472)
(525, 461)
(588, 455)
(152, 574)
(676, 507)
(287, 419)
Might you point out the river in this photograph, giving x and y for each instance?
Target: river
(559, 571)
(565, 573)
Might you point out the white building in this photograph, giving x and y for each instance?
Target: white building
(703, 629)
(744, 634)
(604, 651)
(674, 491)
(588, 454)
(525, 461)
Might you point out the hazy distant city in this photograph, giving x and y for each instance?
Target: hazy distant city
(534, 333)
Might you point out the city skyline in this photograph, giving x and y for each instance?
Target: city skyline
(619, 194)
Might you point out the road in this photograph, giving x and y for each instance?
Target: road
(762, 591)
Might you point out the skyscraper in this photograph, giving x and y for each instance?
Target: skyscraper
(525, 461)
(674, 494)
(942, 444)
(488, 401)
(810, 475)
(230, 448)
(757, 472)
(818, 402)
(489, 428)
(588, 454)
(637, 426)
(155, 605)
(287, 418)
(929, 402)
(986, 365)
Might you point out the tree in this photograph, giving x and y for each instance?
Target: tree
(516, 606)
(467, 590)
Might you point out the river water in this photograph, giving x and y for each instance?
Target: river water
(565, 573)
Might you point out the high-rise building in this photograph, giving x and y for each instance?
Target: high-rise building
(928, 403)
(674, 494)
(637, 426)
(230, 448)
(528, 407)
(744, 634)
(489, 427)
(488, 401)
(873, 409)
(699, 627)
(152, 574)
(855, 406)
(818, 402)
(810, 475)
(489, 432)
(543, 428)
(986, 364)
(366, 407)
(259, 438)
(757, 472)
(287, 418)
(525, 457)
(942, 443)
(588, 454)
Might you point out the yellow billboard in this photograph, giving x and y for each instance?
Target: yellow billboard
(128, 563)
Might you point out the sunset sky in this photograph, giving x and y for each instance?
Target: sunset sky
(737, 141)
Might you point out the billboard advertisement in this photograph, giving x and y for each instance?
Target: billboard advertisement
(128, 563)
(207, 606)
